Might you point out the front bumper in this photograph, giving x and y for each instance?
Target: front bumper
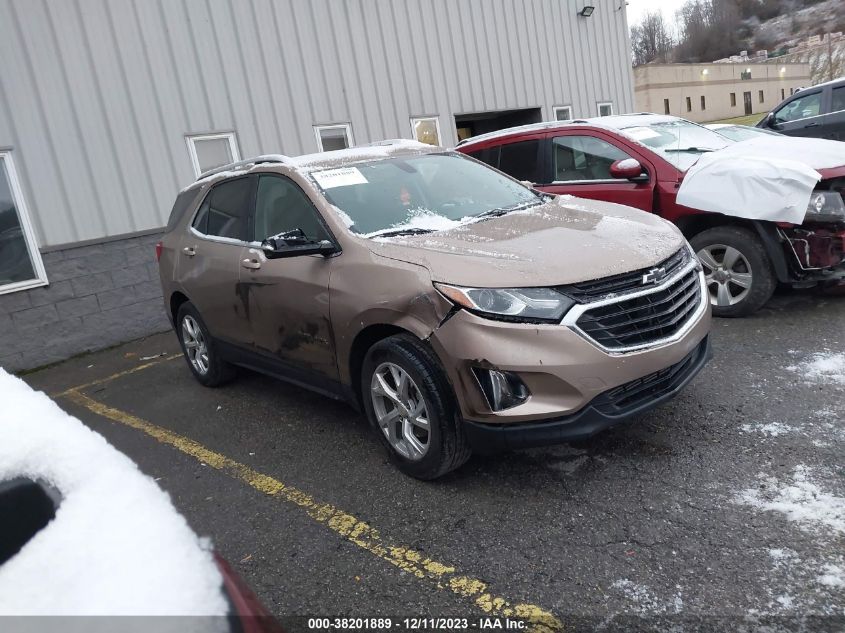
(609, 408)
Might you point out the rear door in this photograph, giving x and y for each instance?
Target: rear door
(287, 300)
(579, 163)
(209, 255)
(803, 115)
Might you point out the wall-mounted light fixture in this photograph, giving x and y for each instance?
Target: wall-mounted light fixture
(587, 11)
(705, 72)
(782, 69)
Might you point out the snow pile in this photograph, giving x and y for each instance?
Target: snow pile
(116, 546)
(800, 500)
(423, 219)
(823, 367)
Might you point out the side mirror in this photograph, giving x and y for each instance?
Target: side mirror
(628, 169)
(770, 121)
(295, 244)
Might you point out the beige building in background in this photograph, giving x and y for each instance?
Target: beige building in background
(707, 92)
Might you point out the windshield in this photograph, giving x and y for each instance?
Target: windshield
(743, 133)
(679, 142)
(418, 193)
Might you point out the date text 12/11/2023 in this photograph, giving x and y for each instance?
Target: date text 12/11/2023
(416, 624)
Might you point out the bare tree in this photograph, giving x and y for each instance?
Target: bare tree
(650, 39)
(708, 30)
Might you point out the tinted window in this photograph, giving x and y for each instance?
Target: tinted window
(489, 155)
(838, 99)
(224, 210)
(521, 160)
(583, 158)
(281, 206)
(183, 201)
(800, 108)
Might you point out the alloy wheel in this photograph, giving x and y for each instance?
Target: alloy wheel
(195, 345)
(400, 411)
(727, 274)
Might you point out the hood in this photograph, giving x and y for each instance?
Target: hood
(566, 240)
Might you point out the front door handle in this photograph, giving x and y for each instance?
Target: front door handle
(812, 125)
(189, 251)
(252, 264)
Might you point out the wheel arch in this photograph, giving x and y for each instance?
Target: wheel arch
(176, 300)
(361, 344)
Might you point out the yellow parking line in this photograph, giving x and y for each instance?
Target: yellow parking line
(119, 374)
(344, 524)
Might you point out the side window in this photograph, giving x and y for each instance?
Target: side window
(800, 108)
(224, 211)
(583, 158)
(489, 155)
(281, 206)
(838, 99)
(521, 160)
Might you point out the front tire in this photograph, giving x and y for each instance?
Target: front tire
(411, 406)
(739, 275)
(199, 348)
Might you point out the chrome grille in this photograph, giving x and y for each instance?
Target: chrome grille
(595, 289)
(645, 318)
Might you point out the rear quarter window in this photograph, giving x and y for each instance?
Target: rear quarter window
(183, 202)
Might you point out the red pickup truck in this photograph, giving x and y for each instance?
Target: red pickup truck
(640, 160)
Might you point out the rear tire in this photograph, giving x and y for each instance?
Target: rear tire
(200, 349)
(740, 277)
(402, 386)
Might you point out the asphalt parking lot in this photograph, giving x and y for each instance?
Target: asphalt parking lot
(724, 505)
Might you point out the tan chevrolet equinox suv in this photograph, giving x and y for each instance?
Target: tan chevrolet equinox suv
(459, 309)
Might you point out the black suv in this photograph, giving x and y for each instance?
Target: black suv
(818, 112)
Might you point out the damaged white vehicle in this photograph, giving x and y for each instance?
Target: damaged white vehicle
(757, 212)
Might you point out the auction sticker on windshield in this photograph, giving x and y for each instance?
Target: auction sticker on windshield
(342, 177)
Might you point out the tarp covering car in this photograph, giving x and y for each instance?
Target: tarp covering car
(761, 179)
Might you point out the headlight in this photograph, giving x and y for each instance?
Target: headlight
(826, 206)
(510, 304)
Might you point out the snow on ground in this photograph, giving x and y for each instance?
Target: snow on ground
(116, 545)
(833, 576)
(800, 499)
(645, 600)
(826, 367)
(772, 429)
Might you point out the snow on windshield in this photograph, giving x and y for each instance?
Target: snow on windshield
(116, 545)
(679, 142)
(426, 192)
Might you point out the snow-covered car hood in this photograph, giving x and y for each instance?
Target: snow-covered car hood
(565, 240)
(766, 178)
(116, 546)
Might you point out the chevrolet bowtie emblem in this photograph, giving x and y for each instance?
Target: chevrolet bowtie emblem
(654, 276)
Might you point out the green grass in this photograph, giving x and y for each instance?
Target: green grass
(750, 119)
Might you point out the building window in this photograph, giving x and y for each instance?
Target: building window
(426, 129)
(605, 109)
(703, 103)
(782, 94)
(760, 96)
(20, 261)
(733, 99)
(563, 113)
(689, 104)
(332, 137)
(209, 151)
(666, 106)
(745, 74)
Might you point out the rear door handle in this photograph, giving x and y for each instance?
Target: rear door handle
(189, 251)
(252, 264)
(812, 125)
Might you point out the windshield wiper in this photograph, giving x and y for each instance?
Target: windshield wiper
(495, 213)
(699, 150)
(395, 232)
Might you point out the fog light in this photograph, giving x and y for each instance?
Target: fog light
(502, 389)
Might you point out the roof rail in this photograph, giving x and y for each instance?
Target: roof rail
(264, 158)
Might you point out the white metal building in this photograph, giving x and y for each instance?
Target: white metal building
(109, 107)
